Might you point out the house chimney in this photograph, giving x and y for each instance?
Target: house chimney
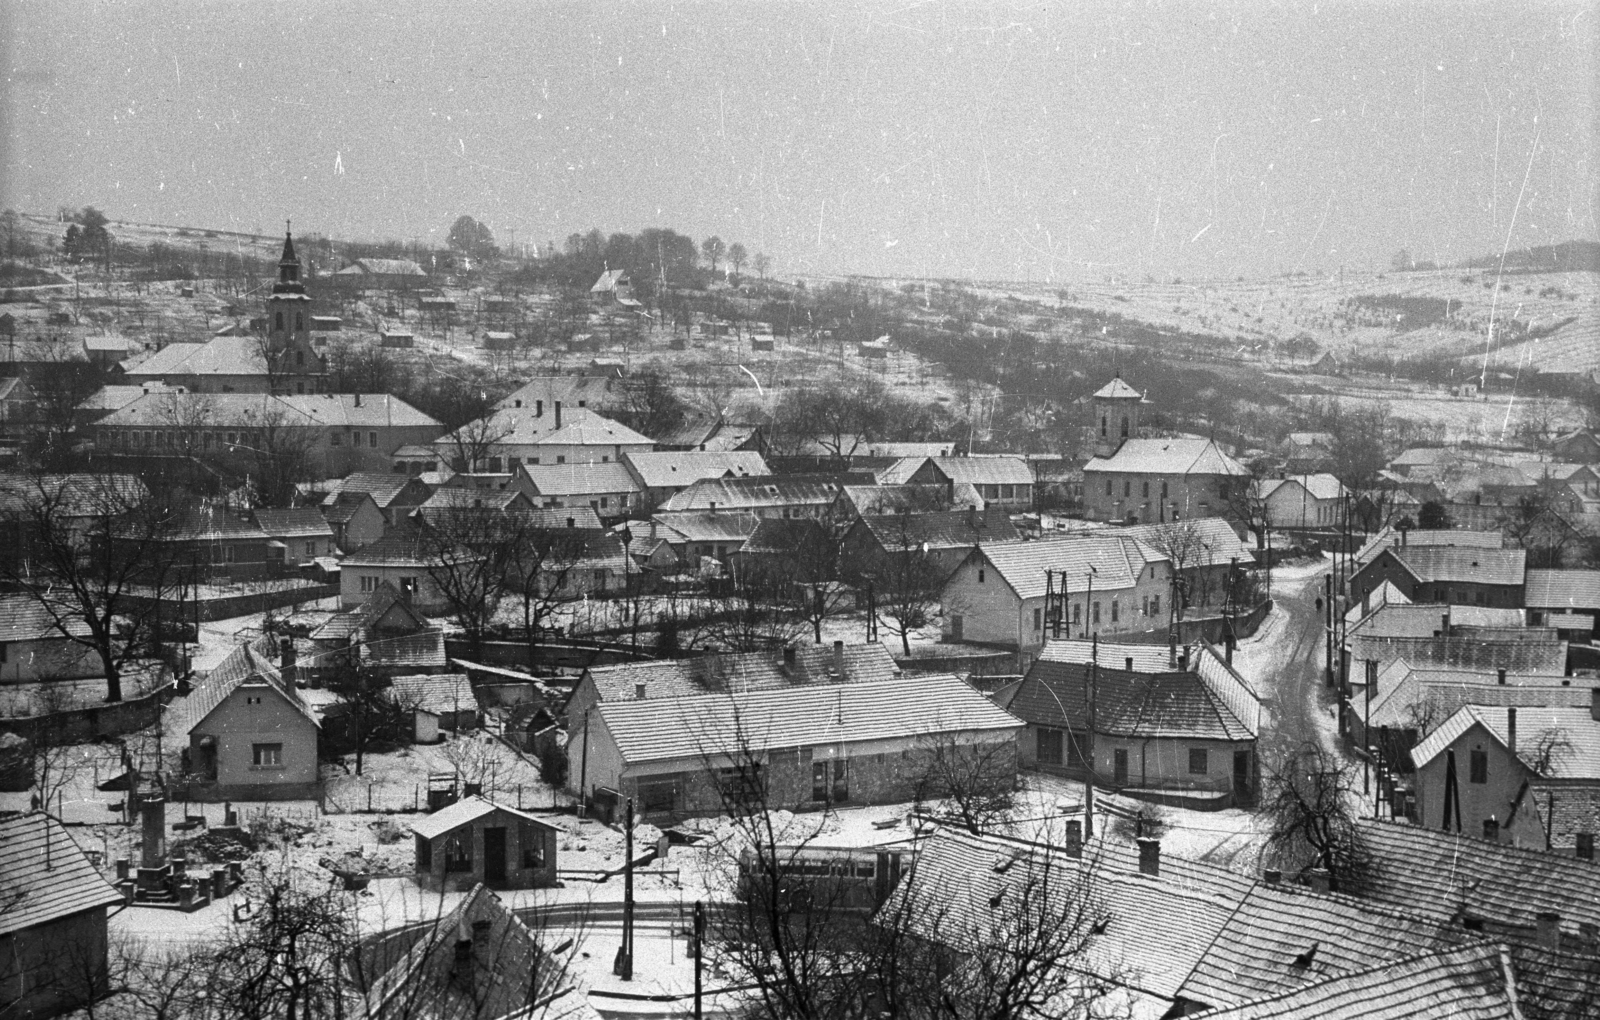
(1183, 660)
(1149, 856)
(1549, 929)
(558, 413)
(1319, 878)
(1511, 730)
(638, 692)
(1272, 876)
(1585, 848)
(358, 399)
(838, 659)
(1127, 663)
(1227, 649)
(1074, 840)
(461, 970)
(538, 409)
(1491, 829)
(1500, 676)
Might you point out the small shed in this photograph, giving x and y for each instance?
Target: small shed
(498, 340)
(476, 840)
(762, 343)
(326, 324)
(437, 702)
(396, 338)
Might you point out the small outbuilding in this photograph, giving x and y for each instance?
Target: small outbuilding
(477, 841)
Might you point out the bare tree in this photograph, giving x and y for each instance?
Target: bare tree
(468, 552)
(975, 783)
(906, 579)
(1310, 803)
(1549, 749)
(475, 442)
(370, 710)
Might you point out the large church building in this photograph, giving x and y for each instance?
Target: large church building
(1142, 481)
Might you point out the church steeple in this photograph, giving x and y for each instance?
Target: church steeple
(289, 306)
(288, 269)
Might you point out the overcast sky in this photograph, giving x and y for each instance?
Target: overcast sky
(978, 140)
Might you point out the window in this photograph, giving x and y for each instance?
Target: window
(1124, 426)
(300, 356)
(300, 324)
(1038, 619)
(1127, 488)
(252, 699)
(1008, 491)
(494, 465)
(424, 854)
(1077, 612)
(980, 575)
(533, 460)
(1146, 489)
(1480, 765)
(658, 797)
(1096, 616)
(1108, 486)
(311, 548)
(372, 440)
(600, 579)
(1144, 606)
(1113, 610)
(830, 780)
(1163, 490)
(622, 501)
(266, 755)
(458, 852)
(742, 784)
(605, 458)
(1155, 605)
(408, 586)
(1049, 747)
(3, 654)
(561, 458)
(1197, 761)
(368, 583)
(1104, 421)
(532, 840)
(279, 322)
(604, 502)
(512, 463)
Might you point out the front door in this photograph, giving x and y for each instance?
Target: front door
(494, 855)
(1119, 767)
(1241, 773)
(955, 628)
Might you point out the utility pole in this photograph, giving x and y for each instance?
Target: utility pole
(1366, 730)
(1089, 778)
(1327, 589)
(622, 967)
(699, 955)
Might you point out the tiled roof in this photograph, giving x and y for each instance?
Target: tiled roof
(381, 267)
(777, 536)
(1562, 589)
(1431, 564)
(1147, 658)
(579, 479)
(23, 618)
(439, 693)
(1199, 542)
(741, 671)
(510, 968)
(685, 467)
(44, 874)
(1135, 705)
(299, 522)
(400, 548)
(753, 493)
(702, 526)
(1116, 389)
(110, 398)
(521, 426)
(1554, 985)
(208, 523)
(351, 621)
(1169, 457)
(894, 499)
(590, 390)
(1444, 875)
(1448, 984)
(1117, 562)
(465, 810)
(1564, 809)
(384, 488)
(223, 355)
(1416, 620)
(1439, 693)
(448, 497)
(358, 410)
(71, 495)
(669, 729)
(947, 529)
(1283, 938)
(1577, 758)
(249, 663)
(1320, 486)
(341, 507)
(984, 470)
(1431, 537)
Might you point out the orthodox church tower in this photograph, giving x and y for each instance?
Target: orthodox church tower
(1116, 415)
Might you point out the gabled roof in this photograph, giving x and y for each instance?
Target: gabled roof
(353, 621)
(71, 495)
(1562, 589)
(1472, 981)
(1407, 694)
(22, 618)
(1430, 537)
(949, 529)
(609, 281)
(521, 426)
(1282, 938)
(382, 267)
(1577, 758)
(44, 875)
(1433, 564)
(1445, 875)
(777, 536)
(1198, 542)
(1117, 562)
(208, 523)
(358, 410)
(703, 526)
(1175, 704)
(1116, 389)
(248, 664)
(300, 522)
(895, 499)
(465, 810)
(984, 470)
(1318, 486)
(752, 493)
(741, 671)
(1147, 658)
(906, 708)
(448, 497)
(384, 488)
(1169, 457)
(577, 479)
(685, 467)
(399, 548)
(223, 355)
(341, 507)
(438, 693)
(572, 390)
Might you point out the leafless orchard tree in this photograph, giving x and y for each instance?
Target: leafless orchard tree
(1309, 803)
(973, 785)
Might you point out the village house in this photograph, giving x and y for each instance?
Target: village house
(438, 703)
(662, 475)
(942, 539)
(876, 500)
(476, 841)
(354, 518)
(402, 558)
(693, 535)
(1176, 732)
(868, 742)
(34, 647)
(214, 542)
(783, 496)
(1204, 553)
(1391, 536)
(251, 736)
(511, 437)
(415, 459)
(386, 631)
(396, 496)
(53, 939)
(613, 288)
(598, 393)
(380, 274)
(1568, 600)
(1302, 501)
(1005, 482)
(1140, 480)
(1580, 446)
(710, 434)
(1307, 452)
(1446, 574)
(299, 535)
(609, 489)
(1100, 584)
